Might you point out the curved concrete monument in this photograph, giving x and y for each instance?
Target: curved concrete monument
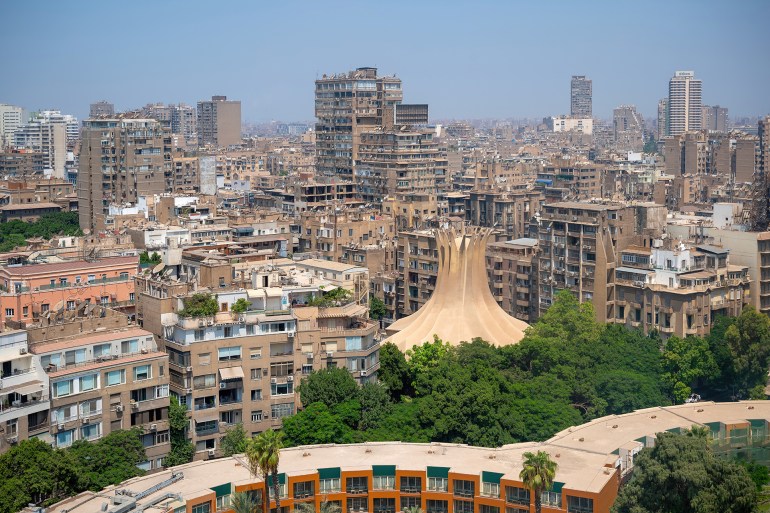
(461, 307)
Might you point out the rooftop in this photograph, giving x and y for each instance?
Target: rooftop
(73, 265)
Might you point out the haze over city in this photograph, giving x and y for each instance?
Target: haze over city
(479, 60)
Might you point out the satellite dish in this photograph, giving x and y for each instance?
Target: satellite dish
(59, 306)
(158, 268)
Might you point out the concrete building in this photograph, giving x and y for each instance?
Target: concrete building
(714, 118)
(11, 118)
(512, 274)
(22, 163)
(570, 124)
(385, 477)
(581, 97)
(48, 137)
(121, 159)
(100, 109)
(684, 103)
(326, 233)
(628, 128)
(346, 105)
(219, 122)
(573, 178)
(662, 129)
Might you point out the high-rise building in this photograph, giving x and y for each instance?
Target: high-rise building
(714, 118)
(121, 158)
(628, 128)
(101, 108)
(11, 118)
(47, 136)
(662, 119)
(684, 103)
(219, 122)
(581, 97)
(346, 105)
(763, 133)
(182, 118)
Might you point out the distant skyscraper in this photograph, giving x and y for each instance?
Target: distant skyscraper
(714, 118)
(628, 128)
(219, 122)
(47, 134)
(11, 118)
(662, 118)
(101, 108)
(684, 103)
(580, 96)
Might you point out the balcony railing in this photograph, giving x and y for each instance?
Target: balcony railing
(19, 406)
(91, 283)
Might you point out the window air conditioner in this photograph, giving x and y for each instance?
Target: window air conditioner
(211, 453)
(273, 380)
(222, 385)
(153, 427)
(290, 379)
(363, 372)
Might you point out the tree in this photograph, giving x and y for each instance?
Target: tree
(326, 507)
(427, 355)
(680, 473)
(245, 502)
(685, 361)
(375, 405)
(147, 259)
(413, 509)
(234, 440)
(537, 474)
(240, 306)
(329, 386)
(110, 460)
(182, 450)
(749, 341)
(200, 305)
(264, 453)
(316, 424)
(394, 372)
(335, 297)
(377, 308)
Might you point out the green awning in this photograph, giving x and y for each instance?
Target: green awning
(491, 477)
(758, 422)
(223, 489)
(383, 470)
(438, 472)
(281, 479)
(616, 452)
(329, 473)
(557, 486)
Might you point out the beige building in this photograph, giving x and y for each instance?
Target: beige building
(219, 122)
(326, 232)
(577, 179)
(512, 273)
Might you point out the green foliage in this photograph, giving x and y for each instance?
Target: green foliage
(182, 450)
(263, 453)
(245, 502)
(650, 145)
(200, 305)
(749, 342)
(376, 308)
(537, 473)
(682, 474)
(335, 297)
(394, 372)
(759, 474)
(234, 440)
(34, 472)
(15, 233)
(329, 386)
(427, 356)
(146, 259)
(316, 424)
(684, 362)
(240, 306)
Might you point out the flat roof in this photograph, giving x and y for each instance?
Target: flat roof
(633, 270)
(29, 206)
(76, 341)
(328, 264)
(713, 249)
(73, 265)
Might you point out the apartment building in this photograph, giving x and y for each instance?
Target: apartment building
(186, 172)
(346, 105)
(509, 212)
(684, 103)
(29, 292)
(417, 264)
(576, 179)
(47, 137)
(579, 245)
(512, 275)
(21, 163)
(581, 97)
(412, 211)
(24, 391)
(219, 122)
(678, 289)
(326, 232)
(121, 159)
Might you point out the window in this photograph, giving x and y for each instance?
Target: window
(580, 505)
(162, 438)
(207, 381)
(282, 410)
(229, 353)
(256, 373)
(204, 359)
(357, 485)
(303, 489)
(438, 484)
(45, 307)
(483, 508)
(256, 395)
(116, 377)
(91, 278)
(142, 372)
(62, 388)
(410, 502)
(358, 504)
(161, 391)
(433, 506)
(74, 356)
(129, 346)
(282, 388)
(387, 505)
(463, 488)
(516, 495)
(202, 508)
(199, 335)
(25, 311)
(9, 312)
(551, 499)
(52, 359)
(331, 485)
(65, 438)
(463, 506)
(70, 306)
(255, 354)
(102, 350)
(384, 483)
(123, 276)
(90, 408)
(509, 509)
(88, 382)
(91, 431)
(411, 484)
(256, 416)
(223, 502)
(490, 489)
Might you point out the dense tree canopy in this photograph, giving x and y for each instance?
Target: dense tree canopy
(682, 474)
(15, 233)
(200, 304)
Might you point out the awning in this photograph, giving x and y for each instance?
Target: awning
(281, 479)
(208, 418)
(329, 473)
(491, 477)
(557, 486)
(231, 373)
(633, 270)
(23, 388)
(383, 470)
(223, 489)
(438, 472)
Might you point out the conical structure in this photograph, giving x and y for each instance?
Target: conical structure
(461, 307)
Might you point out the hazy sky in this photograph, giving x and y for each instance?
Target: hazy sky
(473, 59)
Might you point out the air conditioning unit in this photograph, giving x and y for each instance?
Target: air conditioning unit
(61, 427)
(309, 355)
(189, 369)
(22, 350)
(290, 334)
(134, 405)
(290, 379)
(210, 322)
(201, 324)
(86, 420)
(211, 453)
(273, 380)
(223, 385)
(363, 372)
(330, 354)
(12, 439)
(153, 427)
(119, 408)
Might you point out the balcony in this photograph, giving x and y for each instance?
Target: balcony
(93, 283)
(19, 377)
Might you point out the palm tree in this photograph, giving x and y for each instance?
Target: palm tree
(245, 502)
(263, 453)
(538, 474)
(413, 509)
(309, 507)
(700, 432)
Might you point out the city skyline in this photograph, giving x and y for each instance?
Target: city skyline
(492, 61)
